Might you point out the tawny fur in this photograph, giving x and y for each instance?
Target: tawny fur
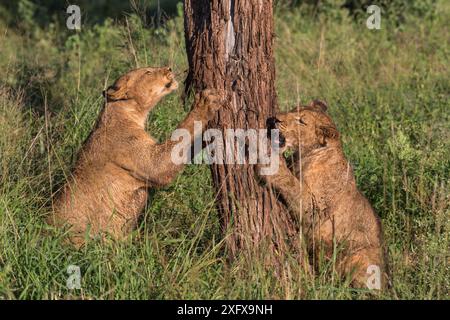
(119, 162)
(320, 189)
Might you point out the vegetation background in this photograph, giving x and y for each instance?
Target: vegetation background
(388, 90)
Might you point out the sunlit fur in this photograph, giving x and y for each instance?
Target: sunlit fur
(320, 189)
(119, 162)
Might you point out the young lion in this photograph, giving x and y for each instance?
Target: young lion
(321, 191)
(119, 162)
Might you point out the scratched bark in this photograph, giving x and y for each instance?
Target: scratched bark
(230, 46)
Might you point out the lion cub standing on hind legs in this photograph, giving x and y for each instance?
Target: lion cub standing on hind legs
(320, 189)
(119, 162)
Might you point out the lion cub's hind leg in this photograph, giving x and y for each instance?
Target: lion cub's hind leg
(365, 267)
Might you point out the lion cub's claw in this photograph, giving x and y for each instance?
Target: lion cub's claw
(209, 100)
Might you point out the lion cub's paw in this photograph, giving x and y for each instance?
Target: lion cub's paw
(209, 101)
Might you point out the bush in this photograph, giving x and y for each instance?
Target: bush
(41, 12)
(395, 10)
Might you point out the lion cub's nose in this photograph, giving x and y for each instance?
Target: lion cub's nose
(271, 123)
(167, 70)
(168, 73)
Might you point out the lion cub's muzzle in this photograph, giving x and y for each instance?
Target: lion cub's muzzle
(272, 124)
(172, 84)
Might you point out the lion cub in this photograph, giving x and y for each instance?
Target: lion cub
(119, 162)
(321, 191)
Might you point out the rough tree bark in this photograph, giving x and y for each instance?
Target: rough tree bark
(229, 45)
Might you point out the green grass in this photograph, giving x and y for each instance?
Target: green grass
(388, 91)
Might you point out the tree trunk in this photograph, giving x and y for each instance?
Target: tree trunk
(229, 45)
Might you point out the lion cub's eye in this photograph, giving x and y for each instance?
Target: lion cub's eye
(300, 120)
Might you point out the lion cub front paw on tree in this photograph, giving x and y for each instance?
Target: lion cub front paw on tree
(119, 161)
(320, 189)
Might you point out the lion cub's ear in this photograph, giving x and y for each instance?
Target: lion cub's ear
(118, 91)
(325, 133)
(319, 105)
